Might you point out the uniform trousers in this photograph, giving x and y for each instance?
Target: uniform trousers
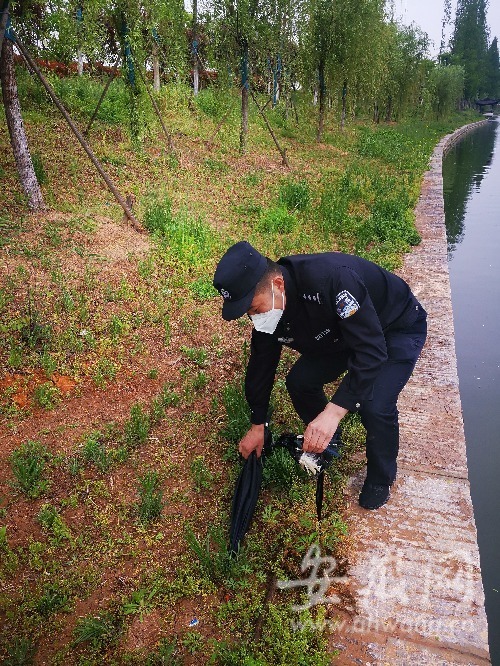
(379, 414)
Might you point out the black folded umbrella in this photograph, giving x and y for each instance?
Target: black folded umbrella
(245, 499)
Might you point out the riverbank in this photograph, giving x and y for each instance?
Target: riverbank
(117, 364)
(417, 577)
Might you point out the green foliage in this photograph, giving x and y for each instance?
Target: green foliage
(51, 520)
(216, 561)
(98, 630)
(8, 558)
(202, 476)
(403, 49)
(28, 464)
(197, 355)
(281, 471)
(469, 45)
(192, 641)
(52, 600)
(332, 210)
(39, 169)
(104, 370)
(393, 147)
(151, 502)
(237, 420)
(136, 428)
(164, 654)
(215, 166)
(187, 240)
(47, 395)
(79, 95)
(167, 398)
(21, 652)
(277, 220)
(446, 87)
(301, 645)
(203, 289)
(493, 70)
(295, 195)
(94, 451)
(141, 602)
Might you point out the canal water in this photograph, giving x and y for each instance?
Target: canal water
(471, 173)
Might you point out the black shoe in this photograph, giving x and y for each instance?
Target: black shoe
(373, 495)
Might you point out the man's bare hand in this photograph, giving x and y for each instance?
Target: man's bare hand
(321, 429)
(252, 441)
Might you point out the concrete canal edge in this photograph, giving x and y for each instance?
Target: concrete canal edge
(416, 589)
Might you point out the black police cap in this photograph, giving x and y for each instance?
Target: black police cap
(236, 277)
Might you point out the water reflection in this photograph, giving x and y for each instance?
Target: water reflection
(471, 173)
(463, 171)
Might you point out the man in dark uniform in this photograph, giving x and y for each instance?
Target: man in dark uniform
(342, 313)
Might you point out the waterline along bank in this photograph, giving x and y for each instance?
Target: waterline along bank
(471, 173)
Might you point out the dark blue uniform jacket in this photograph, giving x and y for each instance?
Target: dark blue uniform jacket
(335, 304)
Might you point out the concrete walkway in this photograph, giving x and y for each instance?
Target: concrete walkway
(416, 584)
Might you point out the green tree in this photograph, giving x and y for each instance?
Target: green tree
(446, 86)
(469, 45)
(493, 70)
(405, 49)
(341, 50)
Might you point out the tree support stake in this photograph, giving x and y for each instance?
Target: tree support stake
(101, 98)
(157, 110)
(282, 151)
(137, 226)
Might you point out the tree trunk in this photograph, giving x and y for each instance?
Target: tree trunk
(15, 124)
(322, 101)
(244, 99)
(80, 63)
(156, 69)
(388, 114)
(344, 105)
(196, 70)
(3, 21)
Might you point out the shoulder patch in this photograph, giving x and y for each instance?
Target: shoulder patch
(346, 304)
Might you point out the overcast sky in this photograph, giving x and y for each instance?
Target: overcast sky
(428, 14)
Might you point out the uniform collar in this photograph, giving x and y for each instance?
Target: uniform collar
(290, 293)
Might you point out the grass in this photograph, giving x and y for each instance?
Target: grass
(131, 476)
(150, 503)
(28, 463)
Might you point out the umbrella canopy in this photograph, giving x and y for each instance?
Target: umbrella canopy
(245, 499)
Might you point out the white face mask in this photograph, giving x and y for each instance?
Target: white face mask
(266, 322)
